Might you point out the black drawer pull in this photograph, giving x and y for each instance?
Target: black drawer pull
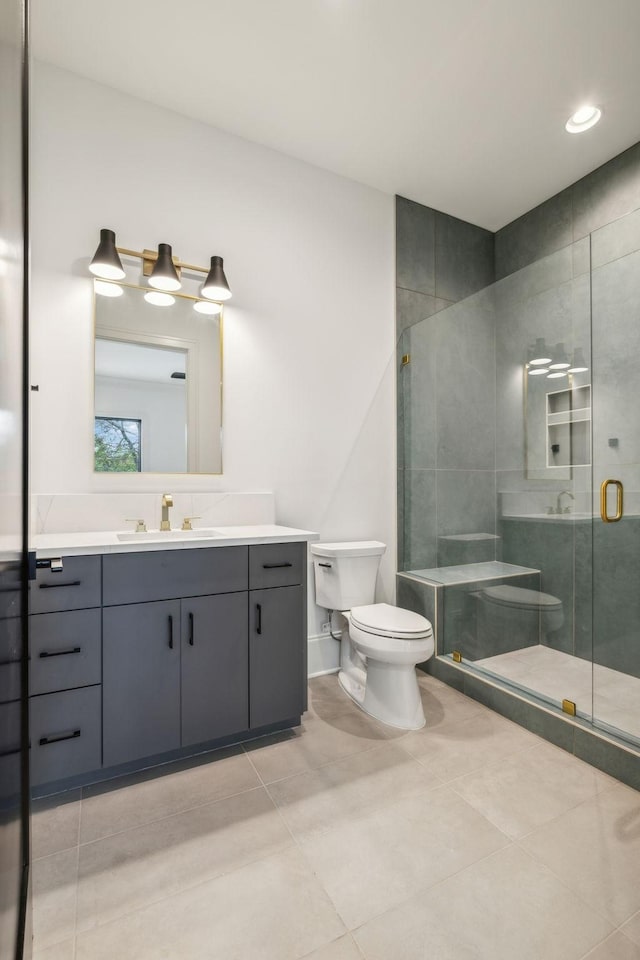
(60, 653)
(67, 583)
(170, 632)
(258, 618)
(325, 565)
(191, 640)
(45, 741)
(275, 566)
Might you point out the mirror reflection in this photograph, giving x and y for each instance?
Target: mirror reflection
(158, 380)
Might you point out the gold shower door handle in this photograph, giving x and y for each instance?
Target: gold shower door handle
(619, 501)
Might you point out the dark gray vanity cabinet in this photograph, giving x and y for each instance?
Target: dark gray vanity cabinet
(275, 655)
(140, 680)
(143, 655)
(215, 698)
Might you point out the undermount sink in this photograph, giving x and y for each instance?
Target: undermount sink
(168, 535)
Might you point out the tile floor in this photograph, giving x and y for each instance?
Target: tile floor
(558, 675)
(346, 840)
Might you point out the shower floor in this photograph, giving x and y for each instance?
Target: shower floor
(558, 676)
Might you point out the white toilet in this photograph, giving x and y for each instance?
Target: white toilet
(380, 644)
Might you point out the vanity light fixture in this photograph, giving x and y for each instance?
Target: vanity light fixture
(538, 354)
(159, 299)
(208, 307)
(561, 362)
(537, 371)
(578, 365)
(107, 288)
(164, 275)
(215, 286)
(583, 119)
(106, 263)
(557, 374)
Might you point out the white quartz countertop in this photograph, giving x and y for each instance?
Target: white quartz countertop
(49, 545)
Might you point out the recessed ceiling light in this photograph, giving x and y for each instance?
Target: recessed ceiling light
(583, 119)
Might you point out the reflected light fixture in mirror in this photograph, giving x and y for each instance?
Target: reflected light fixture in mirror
(579, 364)
(164, 275)
(537, 371)
(215, 286)
(209, 308)
(159, 299)
(560, 362)
(538, 354)
(107, 288)
(106, 262)
(557, 375)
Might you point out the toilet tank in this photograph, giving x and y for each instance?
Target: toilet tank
(345, 573)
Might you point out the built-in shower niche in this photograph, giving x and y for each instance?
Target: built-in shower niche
(472, 613)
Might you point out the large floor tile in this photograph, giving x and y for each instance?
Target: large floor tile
(125, 872)
(595, 849)
(54, 888)
(129, 802)
(374, 863)
(55, 822)
(315, 743)
(59, 951)
(274, 909)
(631, 928)
(503, 907)
(343, 949)
(457, 748)
(528, 789)
(327, 699)
(316, 801)
(615, 947)
(443, 704)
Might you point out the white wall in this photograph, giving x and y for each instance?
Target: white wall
(308, 367)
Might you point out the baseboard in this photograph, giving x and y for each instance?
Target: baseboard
(323, 655)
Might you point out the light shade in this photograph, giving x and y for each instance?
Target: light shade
(557, 375)
(106, 263)
(560, 359)
(209, 309)
(164, 275)
(539, 353)
(537, 371)
(215, 286)
(583, 119)
(159, 299)
(578, 364)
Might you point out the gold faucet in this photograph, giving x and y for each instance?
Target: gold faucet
(167, 501)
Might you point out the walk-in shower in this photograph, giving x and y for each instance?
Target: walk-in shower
(519, 481)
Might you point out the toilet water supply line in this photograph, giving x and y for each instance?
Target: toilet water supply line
(331, 627)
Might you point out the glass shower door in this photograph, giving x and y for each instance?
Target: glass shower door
(615, 254)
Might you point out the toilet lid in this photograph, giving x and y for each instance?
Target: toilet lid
(387, 621)
(520, 597)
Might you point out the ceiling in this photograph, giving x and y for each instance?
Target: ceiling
(458, 104)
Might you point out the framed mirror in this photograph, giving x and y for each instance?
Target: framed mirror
(557, 422)
(158, 381)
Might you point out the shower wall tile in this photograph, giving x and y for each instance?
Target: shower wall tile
(616, 239)
(537, 233)
(607, 193)
(420, 535)
(616, 561)
(415, 246)
(419, 395)
(464, 258)
(412, 307)
(466, 384)
(466, 501)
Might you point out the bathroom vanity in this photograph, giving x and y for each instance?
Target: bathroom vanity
(146, 650)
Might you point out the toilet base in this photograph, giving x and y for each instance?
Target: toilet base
(354, 687)
(392, 695)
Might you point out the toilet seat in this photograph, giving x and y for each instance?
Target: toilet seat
(521, 598)
(383, 620)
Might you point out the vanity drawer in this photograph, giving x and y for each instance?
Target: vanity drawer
(171, 574)
(66, 734)
(65, 650)
(276, 565)
(76, 586)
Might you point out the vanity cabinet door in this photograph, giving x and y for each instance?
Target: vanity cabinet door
(215, 655)
(140, 680)
(276, 641)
